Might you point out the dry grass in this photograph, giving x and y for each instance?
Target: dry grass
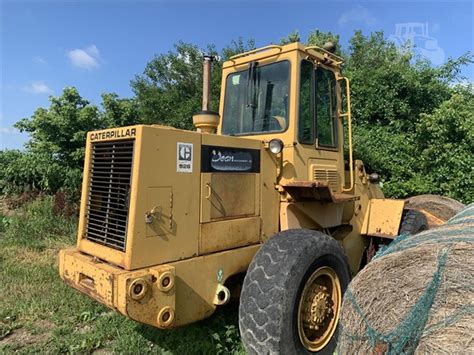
(388, 289)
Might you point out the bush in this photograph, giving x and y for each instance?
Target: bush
(27, 171)
(436, 159)
(36, 223)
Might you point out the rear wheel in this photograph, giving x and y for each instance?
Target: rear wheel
(413, 222)
(292, 294)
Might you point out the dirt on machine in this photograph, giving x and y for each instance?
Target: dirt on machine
(262, 197)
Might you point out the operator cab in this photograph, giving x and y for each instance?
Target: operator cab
(291, 93)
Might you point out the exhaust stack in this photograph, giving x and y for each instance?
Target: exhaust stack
(206, 121)
(206, 82)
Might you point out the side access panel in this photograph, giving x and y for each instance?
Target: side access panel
(230, 193)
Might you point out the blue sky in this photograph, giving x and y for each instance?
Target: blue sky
(99, 46)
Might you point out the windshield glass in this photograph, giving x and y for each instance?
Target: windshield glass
(256, 99)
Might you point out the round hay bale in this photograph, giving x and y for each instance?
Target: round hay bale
(416, 296)
(441, 207)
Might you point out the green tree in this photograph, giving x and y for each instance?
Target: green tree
(293, 36)
(118, 111)
(54, 155)
(390, 87)
(319, 38)
(445, 141)
(315, 38)
(170, 89)
(59, 132)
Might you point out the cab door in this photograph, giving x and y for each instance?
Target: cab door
(319, 133)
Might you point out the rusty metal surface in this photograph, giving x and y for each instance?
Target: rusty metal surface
(169, 295)
(206, 82)
(231, 195)
(88, 275)
(384, 218)
(342, 197)
(215, 235)
(308, 190)
(315, 191)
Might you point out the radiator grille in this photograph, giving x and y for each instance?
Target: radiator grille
(109, 190)
(329, 175)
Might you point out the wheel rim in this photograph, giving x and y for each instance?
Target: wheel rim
(318, 310)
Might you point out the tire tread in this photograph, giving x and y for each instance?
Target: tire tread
(264, 290)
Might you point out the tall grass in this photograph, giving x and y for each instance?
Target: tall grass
(41, 314)
(37, 223)
(3, 222)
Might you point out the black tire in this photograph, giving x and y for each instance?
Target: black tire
(273, 285)
(413, 222)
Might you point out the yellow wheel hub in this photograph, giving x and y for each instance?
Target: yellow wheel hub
(318, 309)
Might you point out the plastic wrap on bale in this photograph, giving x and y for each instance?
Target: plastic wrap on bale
(416, 296)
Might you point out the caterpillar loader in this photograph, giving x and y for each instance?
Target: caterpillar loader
(262, 201)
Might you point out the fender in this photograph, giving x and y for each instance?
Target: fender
(383, 218)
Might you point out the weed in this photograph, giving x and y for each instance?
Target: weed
(36, 224)
(4, 221)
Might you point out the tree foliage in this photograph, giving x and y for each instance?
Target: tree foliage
(398, 103)
(315, 38)
(445, 144)
(390, 87)
(54, 155)
(412, 125)
(169, 90)
(59, 131)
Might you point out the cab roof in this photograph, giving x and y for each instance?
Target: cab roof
(314, 52)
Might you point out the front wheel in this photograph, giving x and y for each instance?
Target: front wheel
(292, 294)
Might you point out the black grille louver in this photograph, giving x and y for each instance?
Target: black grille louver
(109, 191)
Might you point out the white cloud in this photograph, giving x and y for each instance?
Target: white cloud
(9, 130)
(88, 58)
(38, 87)
(465, 82)
(357, 15)
(39, 60)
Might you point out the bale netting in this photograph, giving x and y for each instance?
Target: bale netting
(416, 296)
(442, 207)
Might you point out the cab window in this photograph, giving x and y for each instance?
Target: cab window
(256, 99)
(306, 116)
(326, 107)
(317, 106)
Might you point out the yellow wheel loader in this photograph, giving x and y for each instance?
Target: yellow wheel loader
(262, 197)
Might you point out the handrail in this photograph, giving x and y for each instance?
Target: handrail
(253, 51)
(349, 128)
(332, 56)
